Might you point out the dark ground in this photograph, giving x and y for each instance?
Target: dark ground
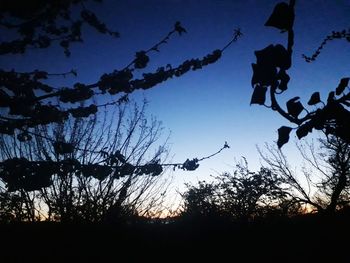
(308, 238)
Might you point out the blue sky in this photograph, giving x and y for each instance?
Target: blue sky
(205, 108)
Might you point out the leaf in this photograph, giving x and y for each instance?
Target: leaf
(64, 44)
(273, 56)
(68, 166)
(24, 136)
(344, 82)
(259, 95)
(284, 79)
(6, 128)
(314, 99)
(331, 97)
(43, 41)
(45, 114)
(44, 87)
(141, 60)
(80, 92)
(19, 173)
(179, 29)
(39, 74)
(211, 58)
(4, 99)
(153, 169)
(282, 17)
(37, 179)
(63, 147)
(263, 56)
(21, 106)
(93, 21)
(120, 157)
(294, 107)
(99, 172)
(281, 57)
(190, 165)
(263, 75)
(82, 112)
(283, 135)
(124, 170)
(304, 129)
(74, 72)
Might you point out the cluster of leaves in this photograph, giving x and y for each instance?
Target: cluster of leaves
(24, 174)
(19, 173)
(270, 73)
(40, 23)
(122, 81)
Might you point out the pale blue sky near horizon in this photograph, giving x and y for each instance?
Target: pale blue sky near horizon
(207, 107)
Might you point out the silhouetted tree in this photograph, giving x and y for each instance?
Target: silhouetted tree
(270, 74)
(326, 175)
(336, 185)
(111, 168)
(29, 103)
(243, 195)
(203, 200)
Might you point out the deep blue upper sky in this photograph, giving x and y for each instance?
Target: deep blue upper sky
(207, 107)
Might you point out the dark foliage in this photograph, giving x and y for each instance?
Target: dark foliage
(243, 196)
(270, 75)
(40, 23)
(26, 96)
(27, 100)
(298, 239)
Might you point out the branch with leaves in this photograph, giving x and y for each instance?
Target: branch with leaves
(41, 23)
(23, 174)
(28, 98)
(270, 72)
(343, 34)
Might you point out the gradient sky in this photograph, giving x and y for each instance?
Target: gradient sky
(205, 108)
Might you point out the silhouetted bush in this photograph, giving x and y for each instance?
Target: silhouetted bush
(243, 195)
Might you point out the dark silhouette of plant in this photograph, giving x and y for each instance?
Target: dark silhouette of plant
(326, 174)
(26, 96)
(13, 207)
(344, 34)
(40, 23)
(30, 104)
(270, 74)
(107, 171)
(202, 201)
(106, 174)
(243, 195)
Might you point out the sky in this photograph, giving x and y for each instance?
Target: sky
(207, 107)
